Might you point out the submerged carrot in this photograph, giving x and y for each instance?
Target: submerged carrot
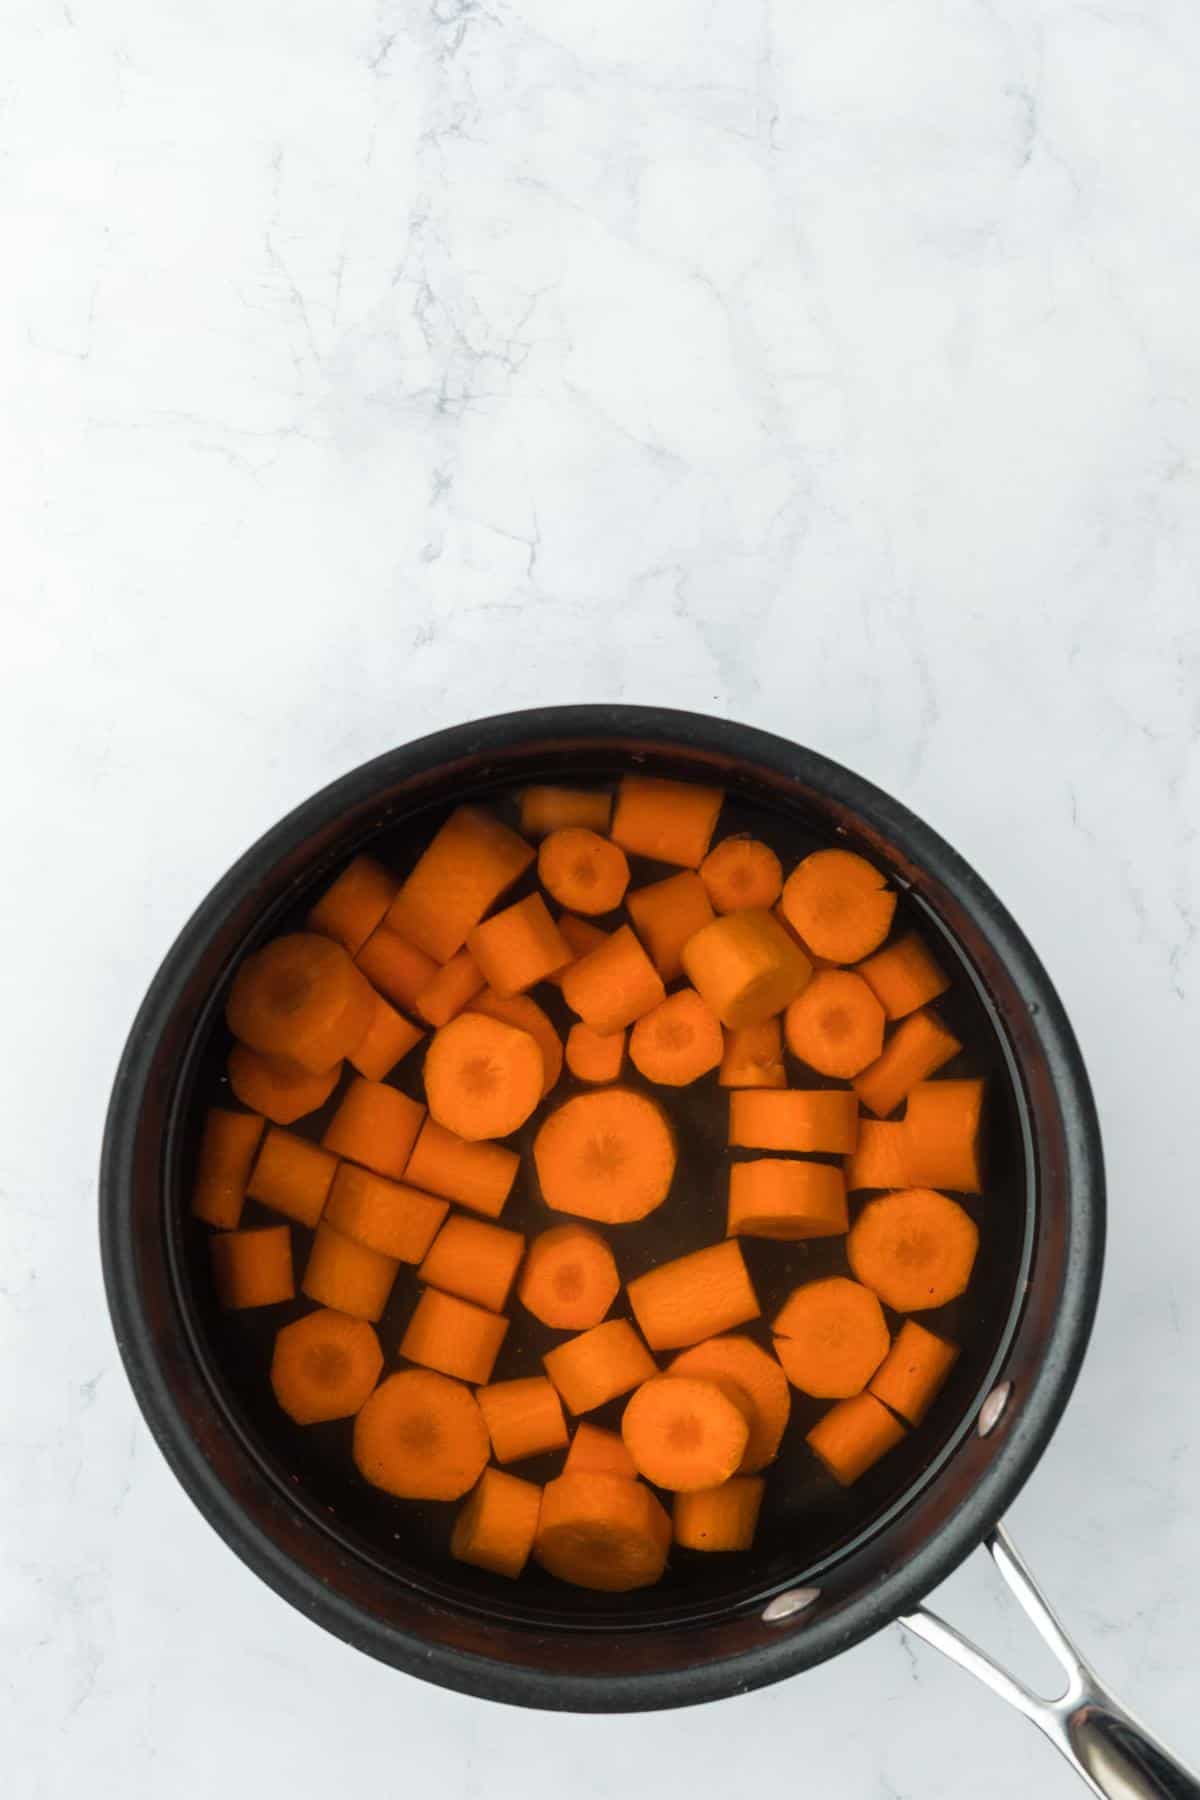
(455, 983)
(282, 1091)
(831, 1336)
(581, 937)
(252, 1268)
(524, 1418)
(835, 1025)
(719, 1518)
(777, 1197)
(666, 914)
(353, 906)
(227, 1148)
(518, 947)
(880, 1158)
(904, 976)
(753, 1057)
(607, 1155)
(671, 821)
(941, 1135)
(916, 1049)
(813, 1121)
(526, 1015)
(685, 1433)
(593, 1058)
(421, 1436)
(474, 1260)
(479, 1176)
(853, 1435)
(678, 1041)
(546, 809)
(396, 967)
(324, 1366)
(600, 1364)
(913, 1371)
(454, 1336)
(292, 1176)
(602, 1532)
(348, 1276)
(387, 1040)
(597, 1452)
(375, 1125)
(741, 872)
(497, 1525)
(300, 997)
(570, 1278)
(758, 1377)
(612, 985)
(384, 1215)
(466, 868)
(838, 904)
(915, 1248)
(584, 872)
(483, 1078)
(693, 1297)
(746, 966)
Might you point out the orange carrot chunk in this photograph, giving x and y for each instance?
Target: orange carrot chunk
(526, 1015)
(593, 1058)
(454, 1337)
(546, 809)
(348, 1276)
(853, 1435)
(350, 910)
(281, 1090)
(838, 905)
(388, 1039)
(759, 1379)
(746, 966)
(375, 1125)
(693, 1297)
(384, 1215)
(835, 1025)
(252, 1268)
(482, 1078)
(904, 976)
(582, 870)
(421, 1436)
(227, 1148)
(479, 1176)
(607, 1156)
(913, 1370)
(831, 1336)
(741, 872)
(678, 1042)
(595, 1367)
(292, 1176)
(719, 1518)
(302, 998)
(778, 1198)
(466, 868)
(324, 1366)
(916, 1049)
(880, 1158)
(597, 1452)
(396, 967)
(612, 985)
(666, 914)
(519, 946)
(684, 1433)
(671, 821)
(570, 1278)
(474, 1260)
(753, 1057)
(602, 1532)
(524, 1418)
(455, 983)
(941, 1135)
(496, 1527)
(813, 1121)
(915, 1248)
(581, 937)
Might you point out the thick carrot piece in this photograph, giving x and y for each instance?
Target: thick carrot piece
(421, 1436)
(838, 904)
(292, 1176)
(570, 1278)
(912, 1372)
(915, 1248)
(546, 809)
(607, 1156)
(396, 967)
(904, 976)
(375, 1125)
(835, 1025)
(496, 1527)
(475, 1260)
(853, 1435)
(384, 1215)
(758, 1377)
(719, 1518)
(831, 1336)
(941, 1135)
(685, 1433)
(478, 1176)
(524, 1418)
(678, 1042)
(324, 1366)
(812, 1121)
(583, 871)
(466, 868)
(252, 1268)
(483, 1078)
(746, 966)
(388, 1039)
(597, 1452)
(753, 1057)
(228, 1145)
(454, 1336)
(302, 998)
(282, 1091)
(348, 1276)
(666, 914)
(671, 821)
(694, 1297)
(593, 1058)
(916, 1049)
(354, 905)
(602, 1532)
(612, 985)
(519, 947)
(776, 1197)
(525, 1014)
(880, 1158)
(741, 872)
(597, 1366)
(452, 988)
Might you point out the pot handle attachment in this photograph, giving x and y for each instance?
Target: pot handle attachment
(1115, 1755)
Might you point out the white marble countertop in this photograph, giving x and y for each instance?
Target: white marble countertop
(369, 366)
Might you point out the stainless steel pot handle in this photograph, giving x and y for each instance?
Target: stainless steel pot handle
(1104, 1744)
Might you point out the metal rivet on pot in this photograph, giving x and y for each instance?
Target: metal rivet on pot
(992, 1410)
(786, 1606)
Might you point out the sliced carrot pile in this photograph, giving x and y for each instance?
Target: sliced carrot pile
(470, 863)
(570, 1278)
(719, 1518)
(252, 1268)
(475, 1260)
(483, 1078)
(904, 976)
(694, 1297)
(813, 1121)
(454, 1336)
(421, 1436)
(593, 1058)
(282, 1091)
(608, 1156)
(388, 1216)
(525, 1014)
(375, 1125)
(228, 1144)
(396, 967)
(546, 809)
(583, 871)
(612, 985)
(524, 1418)
(831, 1336)
(880, 1158)
(941, 1135)
(496, 1528)
(776, 1197)
(758, 1378)
(597, 1452)
(915, 1248)
(835, 1025)
(324, 1366)
(753, 1057)
(479, 1176)
(519, 946)
(912, 1372)
(916, 1049)
(838, 904)
(603, 1532)
(671, 821)
(301, 998)
(666, 914)
(741, 872)
(600, 1364)
(685, 1433)
(348, 1276)
(387, 1040)
(746, 966)
(292, 1176)
(853, 1435)
(455, 983)
(354, 905)
(678, 1041)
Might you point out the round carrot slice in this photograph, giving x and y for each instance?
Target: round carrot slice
(526, 1015)
(685, 1433)
(483, 1078)
(324, 1366)
(678, 1041)
(915, 1248)
(831, 1336)
(570, 1278)
(838, 904)
(607, 1155)
(836, 1024)
(741, 871)
(421, 1436)
(585, 873)
(602, 1531)
(760, 1378)
(302, 998)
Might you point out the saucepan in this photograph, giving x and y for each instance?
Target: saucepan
(830, 1567)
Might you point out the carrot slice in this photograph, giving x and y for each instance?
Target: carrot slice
(227, 1148)
(666, 914)
(384, 1215)
(387, 1040)
(302, 998)
(347, 1276)
(607, 1155)
(746, 966)
(684, 1433)
(719, 1518)
(693, 1297)
(941, 1135)
(758, 1376)
(672, 821)
(595, 1367)
(454, 1337)
(678, 1042)
(913, 1371)
(593, 1058)
(778, 1198)
(753, 1057)
(526, 1015)
(915, 1248)
(474, 1260)
(292, 1176)
(546, 809)
(602, 1532)
(421, 1436)
(519, 946)
(324, 1366)
(252, 1268)
(597, 1452)
(570, 1278)
(353, 906)
(482, 1078)
(396, 967)
(582, 870)
(853, 1435)
(496, 1528)
(880, 1158)
(831, 1336)
(809, 1120)
(375, 1125)
(280, 1090)
(524, 1418)
(479, 1176)
(916, 1049)
(455, 983)
(741, 872)
(838, 904)
(904, 976)
(835, 1025)
(612, 985)
(466, 868)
